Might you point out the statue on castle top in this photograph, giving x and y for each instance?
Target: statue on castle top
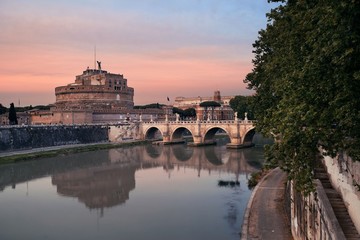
(99, 65)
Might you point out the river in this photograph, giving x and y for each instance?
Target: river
(141, 192)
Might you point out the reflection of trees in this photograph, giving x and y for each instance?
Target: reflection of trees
(182, 153)
(253, 156)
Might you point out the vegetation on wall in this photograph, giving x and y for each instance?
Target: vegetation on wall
(307, 81)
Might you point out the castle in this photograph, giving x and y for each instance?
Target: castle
(96, 96)
(96, 89)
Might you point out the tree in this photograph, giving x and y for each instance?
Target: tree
(210, 104)
(190, 112)
(307, 81)
(152, 105)
(12, 115)
(242, 104)
(178, 111)
(2, 109)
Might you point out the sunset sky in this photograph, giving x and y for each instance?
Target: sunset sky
(165, 48)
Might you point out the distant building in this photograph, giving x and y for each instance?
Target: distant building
(222, 112)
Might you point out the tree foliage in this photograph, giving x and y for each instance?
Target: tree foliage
(307, 81)
(2, 109)
(210, 104)
(152, 105)
(242, 104)
(12, 115)
(190, 112)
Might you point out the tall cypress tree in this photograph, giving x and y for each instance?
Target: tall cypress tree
(12, 115)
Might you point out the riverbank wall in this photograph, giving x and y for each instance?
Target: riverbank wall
(344, 175)
(313, 217)
(28, 137)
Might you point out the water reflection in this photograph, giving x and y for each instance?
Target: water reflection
(105, 179)
(97, 187)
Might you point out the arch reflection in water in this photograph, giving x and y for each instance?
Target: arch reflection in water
(153, 151)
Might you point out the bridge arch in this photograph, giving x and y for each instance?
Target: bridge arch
(153, 133)
(210, 133)
(179, 133)
(248, 137)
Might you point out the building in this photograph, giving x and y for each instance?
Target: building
(222, 110)
(192, 102)
(97, 96)
(96, 89)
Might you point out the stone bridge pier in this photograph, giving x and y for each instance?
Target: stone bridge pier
(240, 132)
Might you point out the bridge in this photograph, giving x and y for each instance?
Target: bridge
(240, 132)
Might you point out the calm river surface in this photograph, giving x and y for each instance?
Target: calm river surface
(142, 192)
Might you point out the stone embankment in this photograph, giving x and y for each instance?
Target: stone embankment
(27, 137)
(13, 138)
(331, 212)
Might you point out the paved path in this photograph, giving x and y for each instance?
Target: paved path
(266, 217)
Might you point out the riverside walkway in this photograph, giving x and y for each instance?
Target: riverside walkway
(265, 216)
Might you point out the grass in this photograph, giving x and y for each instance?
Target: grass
(65, 151)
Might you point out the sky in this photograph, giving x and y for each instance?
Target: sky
(165, 48)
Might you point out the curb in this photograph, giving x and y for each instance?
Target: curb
(245, 225)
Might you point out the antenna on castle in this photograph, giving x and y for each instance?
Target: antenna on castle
(95, 57)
